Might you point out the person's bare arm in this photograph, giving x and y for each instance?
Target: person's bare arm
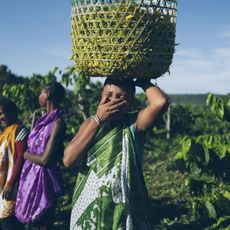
(157, 104)
(51, 146)
(75, 150)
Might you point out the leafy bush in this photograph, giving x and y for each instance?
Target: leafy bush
(207, 158)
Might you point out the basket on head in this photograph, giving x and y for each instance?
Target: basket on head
(123, 38)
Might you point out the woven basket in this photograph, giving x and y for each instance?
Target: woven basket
(123, 39)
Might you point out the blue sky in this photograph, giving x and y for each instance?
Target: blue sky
(35, 37)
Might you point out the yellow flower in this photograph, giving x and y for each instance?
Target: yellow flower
(129, 17)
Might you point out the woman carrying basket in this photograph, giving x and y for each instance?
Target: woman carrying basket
(110, 191)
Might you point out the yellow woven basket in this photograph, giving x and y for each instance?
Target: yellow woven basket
(123, 39)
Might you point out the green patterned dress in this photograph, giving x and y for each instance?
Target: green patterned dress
(110, 192)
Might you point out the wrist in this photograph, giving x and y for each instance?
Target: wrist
(97, 119)
(147, 85)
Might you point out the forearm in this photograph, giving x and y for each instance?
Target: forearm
(157, 104)
(155, 96)
(34, 158)
(74, 152)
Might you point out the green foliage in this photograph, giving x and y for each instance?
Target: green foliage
(83, 91)
(207, 122)
(7, 77)
(222, 223)
(182, 119)
(207, 158)
(170, 197)
(25, 93)
(191, 99)
(204, 157)
(220, 107)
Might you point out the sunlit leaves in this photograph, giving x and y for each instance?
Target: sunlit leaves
(207, 158)
(220, 107)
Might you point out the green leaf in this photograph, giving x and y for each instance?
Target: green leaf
(227, 195)
(220, 110)
(211, 100)
(211, 209)
(217, 105)
(207, 156)
(179, 156)
(221, 150)
(194, 169)
(186, 145)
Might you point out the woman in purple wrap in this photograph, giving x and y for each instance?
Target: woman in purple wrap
(40, 181)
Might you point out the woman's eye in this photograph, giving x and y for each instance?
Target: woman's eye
(122, 97)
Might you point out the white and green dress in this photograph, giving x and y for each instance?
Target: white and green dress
(110, 192)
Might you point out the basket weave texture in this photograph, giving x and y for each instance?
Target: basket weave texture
(123, 39)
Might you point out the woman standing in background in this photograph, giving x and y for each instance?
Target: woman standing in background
(40, 181)
(13, 140)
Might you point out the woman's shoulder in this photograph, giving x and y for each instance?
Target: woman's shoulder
(60, 121)
(22, 132)
(59, 125)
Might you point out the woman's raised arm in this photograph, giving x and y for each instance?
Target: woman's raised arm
(157, 104)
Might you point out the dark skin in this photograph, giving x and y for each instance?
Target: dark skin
(115, 101)
(6, 120)
(56, 136)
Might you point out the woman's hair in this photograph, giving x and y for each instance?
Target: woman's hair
(126, 83)
(56, 91)
(9, 108)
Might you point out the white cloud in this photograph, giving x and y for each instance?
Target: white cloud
(199, 71)
(189, 53)
(223, 55)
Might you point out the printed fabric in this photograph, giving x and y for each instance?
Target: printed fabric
(110, 191)
(8, 138)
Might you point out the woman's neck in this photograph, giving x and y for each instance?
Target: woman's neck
(50, 107)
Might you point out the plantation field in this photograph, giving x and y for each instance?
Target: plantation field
(187, 176)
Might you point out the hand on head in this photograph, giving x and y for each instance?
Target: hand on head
(144, 84)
